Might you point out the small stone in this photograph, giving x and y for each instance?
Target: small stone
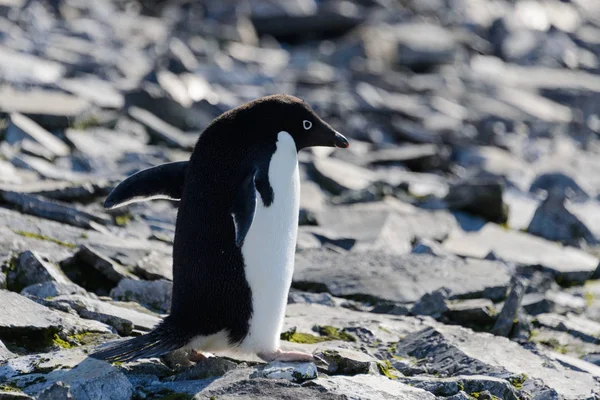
(209, 368)
(311, 298)
(505, 320)
(54, 289)
(554, 222)
(155, 266)
(293, 372)
(58, 391)
(578, 326)
(348, 362)
(155, 294)
(432, 304)
(481, 198)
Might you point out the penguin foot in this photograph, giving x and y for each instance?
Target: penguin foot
(290, 356)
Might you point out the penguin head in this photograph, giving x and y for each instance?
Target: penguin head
(287, 113)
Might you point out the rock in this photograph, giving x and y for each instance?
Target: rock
(104, 144)
(420, 158)
(336, 176)
(369, 387)
(30, 268)
(454, 351)
(385, 225)
(124, 320)
(481, 198)
(22, 67)
(94, 90)
(49, 108)
(23, 317)
(553, 182)
(554, 222)
(54, 289)
(325, 299)
(89, 379)
(470, 384)
(293, 372)
(13, 395)
(62, 190)
(238, 381)
(5, 354)
(566, 263)
(94, 271)
(581, 327)
(432, 304)
(374, 275)
(472, 311)
(155, 294)
(209, 368)
(22, 127)
(417, 45)
(327, 22)
(155, 266)
(58, 391)
(38, 206)
(506, 318)
(431, 247)
(161, 130)
(348, 362)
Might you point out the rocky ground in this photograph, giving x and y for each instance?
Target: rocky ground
(450, 253)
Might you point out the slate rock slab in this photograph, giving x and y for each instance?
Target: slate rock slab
(566, 263)
(120, 318)
(30, 268)
(293, 372)
(89, 379)
(370, 387)
(452, 351)
(500, 388)
(154, 294)
(21, 316)
(398, 278)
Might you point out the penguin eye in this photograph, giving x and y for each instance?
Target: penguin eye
(307, 124)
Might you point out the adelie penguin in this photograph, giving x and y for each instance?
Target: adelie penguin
(235, 238)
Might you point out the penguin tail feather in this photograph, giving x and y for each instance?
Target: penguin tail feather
(163, 339)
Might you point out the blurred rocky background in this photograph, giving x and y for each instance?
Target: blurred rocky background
(450, 253)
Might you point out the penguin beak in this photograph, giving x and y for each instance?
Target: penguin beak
(341, 141)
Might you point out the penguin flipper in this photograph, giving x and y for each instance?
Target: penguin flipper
(244, 208)
(161, 182)
(160, 341)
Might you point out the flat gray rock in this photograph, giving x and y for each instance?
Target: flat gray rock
(500, 388)
(293, 372)
(22, 127)
(403, 278)
(370, 387)
(21, 316)
(578, 326)
(54, 289)
(386, 226)
(124, 320)
(162, 130)
(155, 294)
(452, 351)
(155, 266)
(88, 378)
(567, 263)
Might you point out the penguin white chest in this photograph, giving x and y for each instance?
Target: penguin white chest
(269, 249)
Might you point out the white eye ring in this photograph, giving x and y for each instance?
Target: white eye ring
(306, 124)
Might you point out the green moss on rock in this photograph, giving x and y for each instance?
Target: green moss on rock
(38, 236)
(335, 334)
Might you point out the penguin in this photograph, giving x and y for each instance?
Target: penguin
(235, 235)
